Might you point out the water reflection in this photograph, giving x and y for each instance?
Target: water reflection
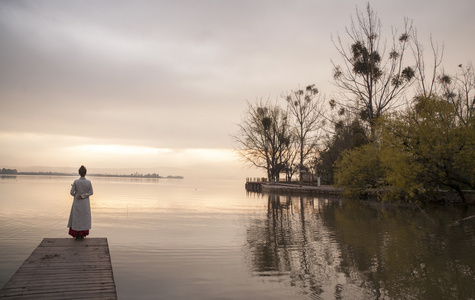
(406, 253)
(293, 246)
(179, 239)
(121, 179)
(334, 249)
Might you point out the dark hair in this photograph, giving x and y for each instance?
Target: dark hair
(82, 171)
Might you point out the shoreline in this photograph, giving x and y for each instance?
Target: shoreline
(307, 190)
(328, 190)
(153, 176)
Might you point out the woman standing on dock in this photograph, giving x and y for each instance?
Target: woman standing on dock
(80, 216)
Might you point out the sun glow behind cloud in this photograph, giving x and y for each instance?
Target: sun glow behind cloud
(121, 149)
(195, 162)
(143, 155)
(25, 151)
(195, 155)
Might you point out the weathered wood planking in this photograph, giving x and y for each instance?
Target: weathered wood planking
(64, 269)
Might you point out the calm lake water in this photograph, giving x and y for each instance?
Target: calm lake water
(184, 239)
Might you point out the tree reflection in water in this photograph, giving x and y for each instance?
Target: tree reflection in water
(335, 249)
(293, 246)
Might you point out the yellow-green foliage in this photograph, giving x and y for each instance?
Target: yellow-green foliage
(359, 169)
(439, 146)
(427, 147)
(400, 168)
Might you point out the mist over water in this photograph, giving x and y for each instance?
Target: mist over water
(209, 239)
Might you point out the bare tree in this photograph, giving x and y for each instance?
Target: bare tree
(459, 90)
(426, 79)
(370, 78)
(264, 138)
(305, 107)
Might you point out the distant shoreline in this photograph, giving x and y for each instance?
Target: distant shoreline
(136, 175)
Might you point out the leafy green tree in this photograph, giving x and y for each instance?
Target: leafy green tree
(359, 169)
(429, 146)
(415, 152)
(347, 134)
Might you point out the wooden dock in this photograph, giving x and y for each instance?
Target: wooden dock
(253, 186)
(61, 268)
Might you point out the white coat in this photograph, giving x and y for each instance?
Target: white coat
(80, 216)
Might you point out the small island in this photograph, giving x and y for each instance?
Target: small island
(5, 171)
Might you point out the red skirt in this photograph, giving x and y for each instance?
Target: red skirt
(75, 233)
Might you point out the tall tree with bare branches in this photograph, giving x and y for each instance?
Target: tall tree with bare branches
(305, 107)
(370, 77)
(264, 138)
(426, 74)
(459, 90)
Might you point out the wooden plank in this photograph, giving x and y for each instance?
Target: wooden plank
(61, 242)
(64, 269)
(61, 277)
(47, 290)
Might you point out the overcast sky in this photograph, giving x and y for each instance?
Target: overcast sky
(161, 85)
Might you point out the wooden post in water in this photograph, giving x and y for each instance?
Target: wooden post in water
(61, 268)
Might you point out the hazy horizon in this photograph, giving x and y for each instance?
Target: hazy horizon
(242, 172)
